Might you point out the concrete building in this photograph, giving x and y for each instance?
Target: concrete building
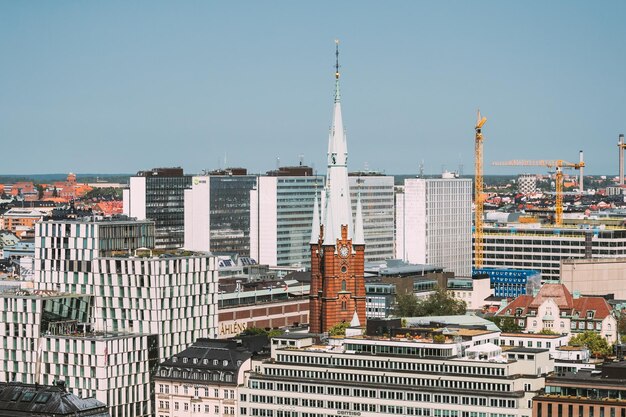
(434, 223)
(20, 220)
(473, 291)
(541, 248)
(105, 310)
(281, 216)
(398, 375)
(526, 184)
(217, 213)
(377, 199)
(584, 393)
(555, 308)
(595, 276)
(157, 195)
(204, 379)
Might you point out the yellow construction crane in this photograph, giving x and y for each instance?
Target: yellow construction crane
(478, 192)
(558, 164)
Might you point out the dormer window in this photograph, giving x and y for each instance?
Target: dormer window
(239, 362)
(195, 360)
(215, 361)
(590, 314)
(205, 361)
(518, 311)
(184, 360)
(174, 359)
(225, 363)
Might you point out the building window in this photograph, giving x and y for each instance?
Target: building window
(344, 306)
(343, 285)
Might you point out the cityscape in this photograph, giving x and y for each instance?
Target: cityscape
(449, 271)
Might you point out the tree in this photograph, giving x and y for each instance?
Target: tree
(339, 329)
(547, 331)
(257, 330)
(505, 324)
(597, 345)
(439, 303)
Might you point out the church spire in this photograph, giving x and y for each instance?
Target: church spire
(337, 75)
(337, 177)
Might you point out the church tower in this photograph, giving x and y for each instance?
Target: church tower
(337, 242)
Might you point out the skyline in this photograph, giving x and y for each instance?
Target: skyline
(197, 82)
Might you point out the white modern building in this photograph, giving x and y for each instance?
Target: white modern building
(105, 310)
(527, 184)
(377, 200)
(370, 376)
(217, 213)
(281, 216)
(434, 223)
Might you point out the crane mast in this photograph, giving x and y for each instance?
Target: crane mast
(478, 192)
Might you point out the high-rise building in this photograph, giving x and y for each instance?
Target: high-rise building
(105, 310)
(434, 223)
(158, 195)
(281, 216)
(377, 200)
(217, 213)
(526, 183)
(338, 245)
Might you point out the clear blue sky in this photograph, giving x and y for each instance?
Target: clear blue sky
(122, 86)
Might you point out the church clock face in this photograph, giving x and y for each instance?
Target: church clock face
(344, 251)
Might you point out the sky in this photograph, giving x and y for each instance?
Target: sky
(118, 86)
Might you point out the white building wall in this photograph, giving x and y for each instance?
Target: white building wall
(136, 198)
(377, 201)
(263, 221)
(198, 215)
(436, 224)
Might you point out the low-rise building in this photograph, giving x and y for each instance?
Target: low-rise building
(555, 309)
(596, 393)
(412, 374)
(202, 380)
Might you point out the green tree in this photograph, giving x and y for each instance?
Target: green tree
(505, 324)
(439, 303)
(257, 330)
(593, 341)
(339, 329)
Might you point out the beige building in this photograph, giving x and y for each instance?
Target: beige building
(555, 308)
(595, 276)
(201, 380)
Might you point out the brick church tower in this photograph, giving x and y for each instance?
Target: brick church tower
(337, 243)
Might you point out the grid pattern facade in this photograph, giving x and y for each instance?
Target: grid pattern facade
(326, 383)
(165, 205)
(526, 184)
(434, 223)
(542, 249)
(295, 197)
(377, 202)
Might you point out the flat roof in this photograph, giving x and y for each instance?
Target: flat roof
(520, 349)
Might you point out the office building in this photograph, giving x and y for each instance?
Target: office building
(378, 208)
(157, 195)
(105, 310)
(217, 213)
(419, 372)
(541, 248)
(584, 393)
(434, 223)
(511, 282)
(281, 215)
(526, 184)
